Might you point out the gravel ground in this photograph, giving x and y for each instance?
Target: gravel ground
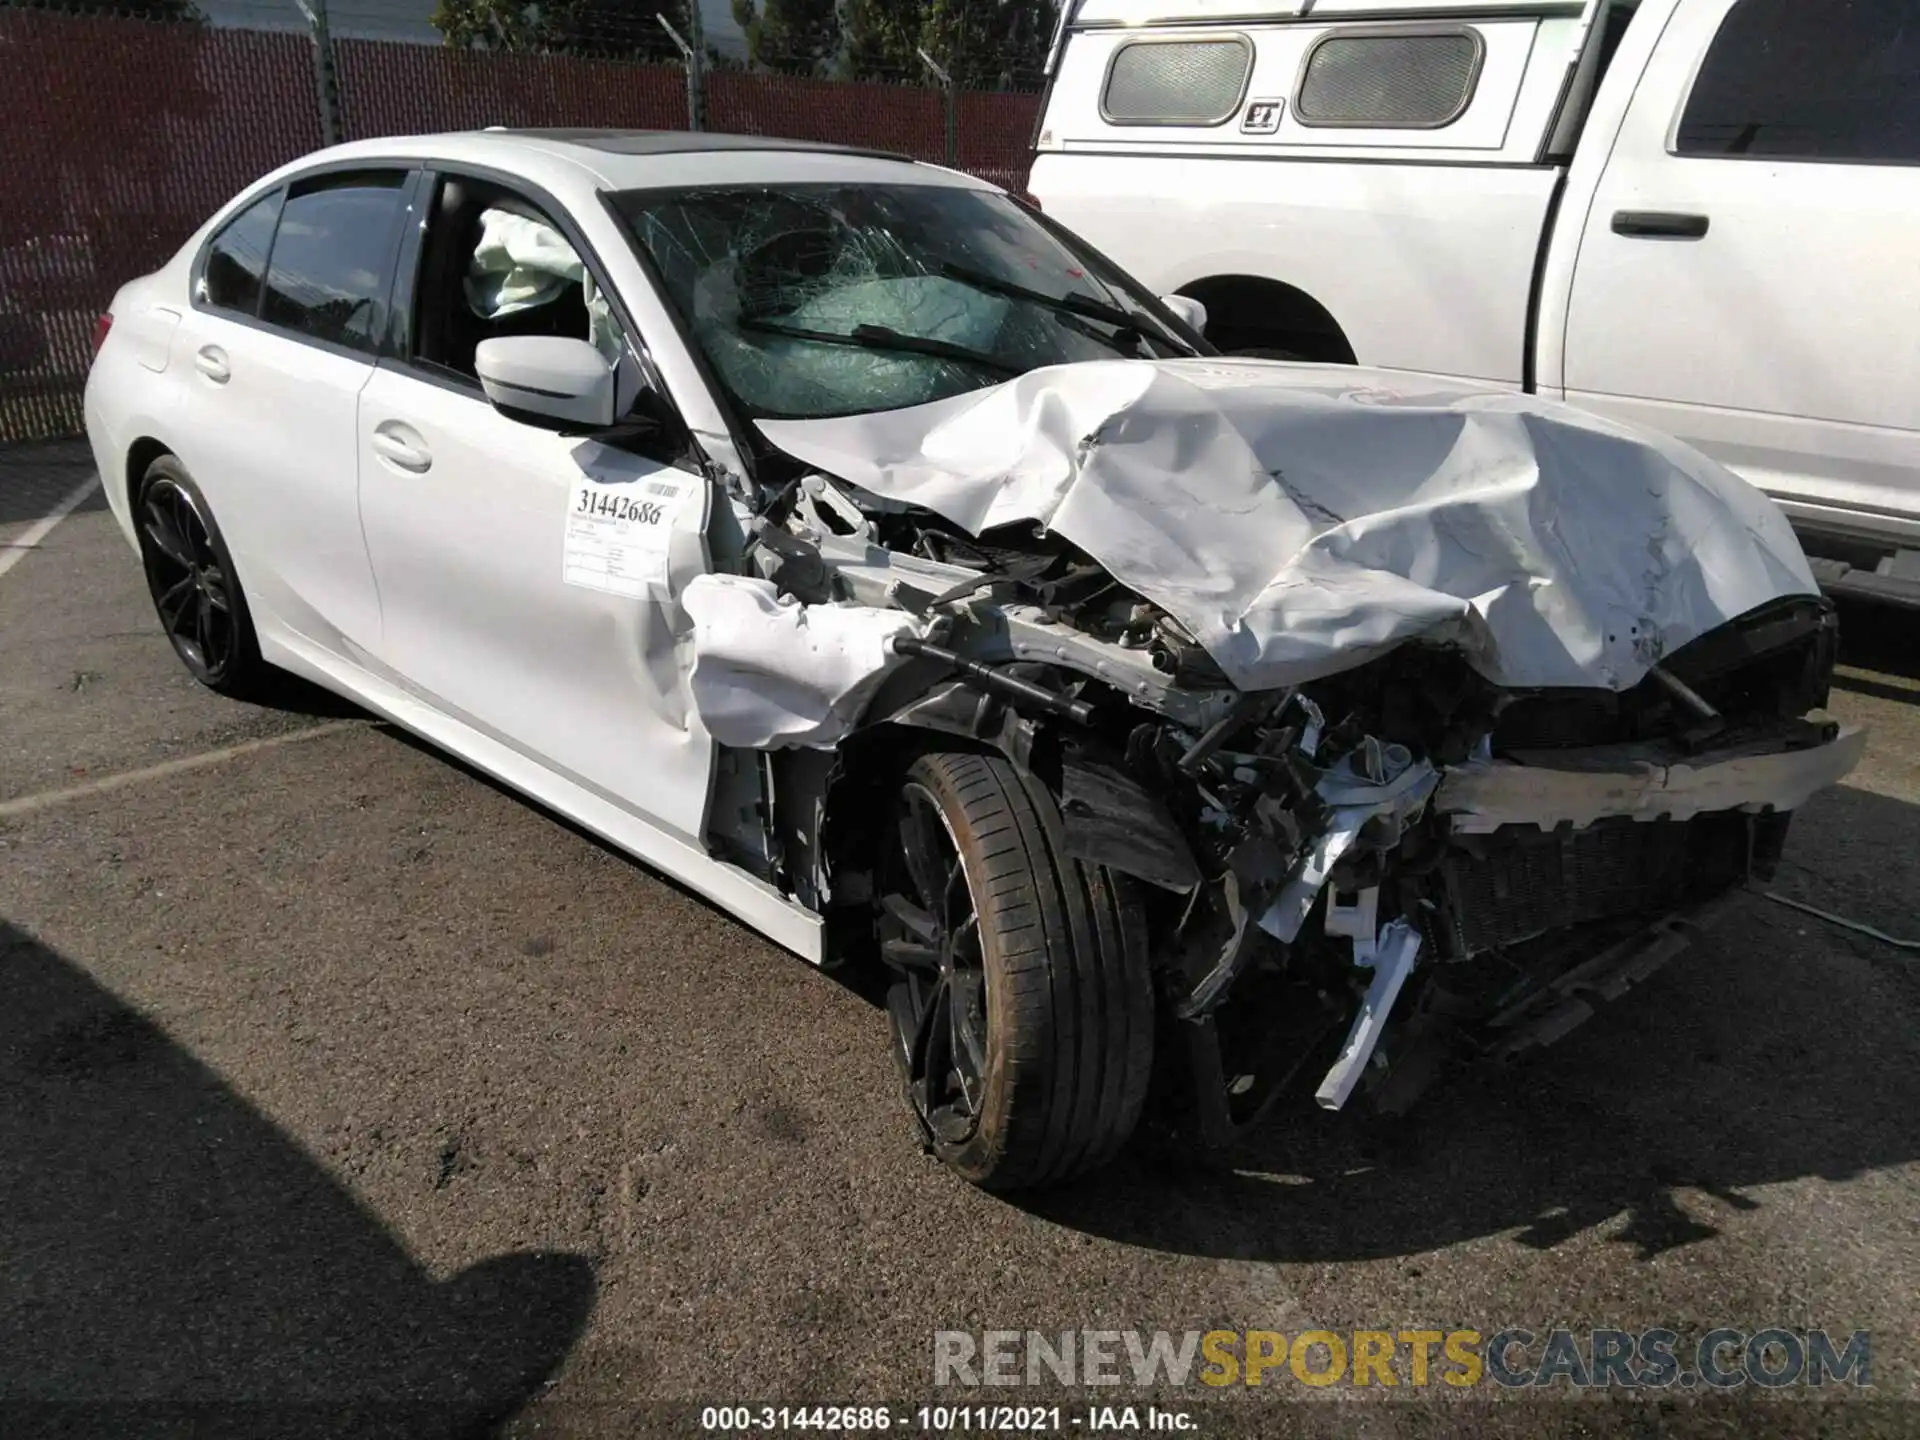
(337, 1076)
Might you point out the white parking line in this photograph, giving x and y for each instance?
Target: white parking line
(43, 527)
(46, 799)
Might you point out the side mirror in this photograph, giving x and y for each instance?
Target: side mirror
(547, 379)
(1186, 308)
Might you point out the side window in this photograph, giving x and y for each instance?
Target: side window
(1389, 79)
(493, 265)
(1176, 82)
(1837, 81)
(237, 258)
(328, 275)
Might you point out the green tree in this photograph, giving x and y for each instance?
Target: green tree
(799, 37)
(983, 44)
(601, 29)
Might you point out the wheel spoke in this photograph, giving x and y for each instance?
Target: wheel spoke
(190, 527)
(166, 536)
(219, 632)
(910, 955)
(203, 630)
(966, 941)
(916, 921)
(922, 838)
(905, 1024)
(174, 604)
(216, 591)
(967, 1018)
(932, 1045)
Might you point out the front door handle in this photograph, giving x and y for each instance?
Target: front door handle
(211, 361)
(400, 445)
(1664, 224)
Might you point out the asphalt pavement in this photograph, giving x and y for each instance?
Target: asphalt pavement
(333, 1075)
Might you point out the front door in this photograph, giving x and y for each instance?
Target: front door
(1748, 279)
(512, 597)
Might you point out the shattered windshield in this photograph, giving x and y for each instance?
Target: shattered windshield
(831, 299)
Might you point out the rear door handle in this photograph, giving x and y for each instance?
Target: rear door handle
(400, 445)
(1665, 224)
(211, 361)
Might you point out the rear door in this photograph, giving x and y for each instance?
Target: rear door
(289, 305)
(1749, 275)
(502, 606)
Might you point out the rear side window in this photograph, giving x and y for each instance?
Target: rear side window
(237, 258)
(1389, 80)
(331, 257)
(1176, 82)
(1837, 81)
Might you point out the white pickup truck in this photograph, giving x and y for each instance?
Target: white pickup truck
(1698, 215)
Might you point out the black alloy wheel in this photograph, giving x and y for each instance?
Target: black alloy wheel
(1021, 1000)
(190, 577)
(931, 938)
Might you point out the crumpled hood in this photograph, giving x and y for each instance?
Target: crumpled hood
(1301, 520)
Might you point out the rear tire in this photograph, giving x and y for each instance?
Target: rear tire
(1022, 1004)
(191, 578)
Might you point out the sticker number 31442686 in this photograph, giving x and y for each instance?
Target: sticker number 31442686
(619, 534)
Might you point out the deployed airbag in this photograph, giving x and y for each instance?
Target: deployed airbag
(520, 263)
(1301, 520)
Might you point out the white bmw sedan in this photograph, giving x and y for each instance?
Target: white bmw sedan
(842, 538)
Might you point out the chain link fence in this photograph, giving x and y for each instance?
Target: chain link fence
(127, 132)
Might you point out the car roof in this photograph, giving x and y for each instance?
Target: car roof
(640, 159)
(681, 142)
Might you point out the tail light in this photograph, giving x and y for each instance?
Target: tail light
(100, 329)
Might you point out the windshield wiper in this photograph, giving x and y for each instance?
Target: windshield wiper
(1083, 306)
(880, 337)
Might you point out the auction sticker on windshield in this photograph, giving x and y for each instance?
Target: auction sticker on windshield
(618, 532)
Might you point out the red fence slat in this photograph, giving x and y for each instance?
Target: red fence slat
(125, 134)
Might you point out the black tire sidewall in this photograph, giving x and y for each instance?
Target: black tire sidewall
(1038, 1120)
(977, 1157)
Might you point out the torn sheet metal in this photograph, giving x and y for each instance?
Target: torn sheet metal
(1301, 520)
(1483, 795)
(1392, 960)
(1396, 790)
(771, 673)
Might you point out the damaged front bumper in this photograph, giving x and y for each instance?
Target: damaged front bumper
(1637, 783)
(1582, 871)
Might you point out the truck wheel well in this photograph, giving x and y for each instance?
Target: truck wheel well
(1249, 312)
(145, 451)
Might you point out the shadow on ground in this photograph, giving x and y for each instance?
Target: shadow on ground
(171, 1263)
(1883, 638)
(295, 695)
(1776, 1050)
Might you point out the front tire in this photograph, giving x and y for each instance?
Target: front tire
(191, 578)
(1022, 1003)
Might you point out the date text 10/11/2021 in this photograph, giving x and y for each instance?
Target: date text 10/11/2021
(946, 1419)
